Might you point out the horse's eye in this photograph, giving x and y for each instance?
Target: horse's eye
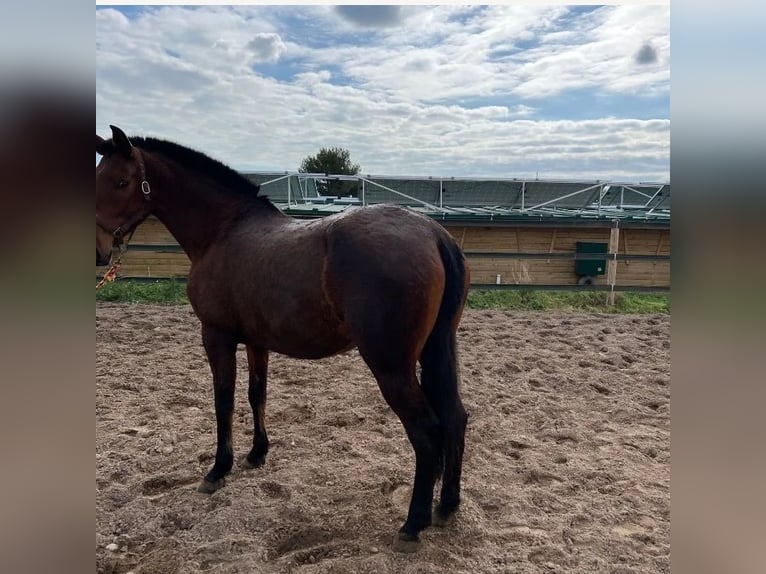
(122, 183)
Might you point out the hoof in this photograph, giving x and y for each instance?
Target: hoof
(405, 543)
(209, 487)
(440, 520)
(247, 464)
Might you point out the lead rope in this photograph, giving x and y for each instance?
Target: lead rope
(110, 275)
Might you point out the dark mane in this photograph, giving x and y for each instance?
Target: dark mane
(206, 166)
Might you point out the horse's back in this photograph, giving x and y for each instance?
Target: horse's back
(381, 228)
(387, 242)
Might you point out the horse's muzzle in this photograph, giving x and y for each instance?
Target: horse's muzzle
(101, 260)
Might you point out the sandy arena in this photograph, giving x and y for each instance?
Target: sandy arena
(567, 459)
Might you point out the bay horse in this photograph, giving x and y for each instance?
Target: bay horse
(383, 279)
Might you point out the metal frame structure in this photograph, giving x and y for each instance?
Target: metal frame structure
(476, 197)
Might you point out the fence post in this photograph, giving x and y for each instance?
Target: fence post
(523, 193)
(441, 193)
(600, 197)
(611, 265)
(288, 191)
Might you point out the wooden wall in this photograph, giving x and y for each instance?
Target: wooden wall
(154, 253)
(560, 240)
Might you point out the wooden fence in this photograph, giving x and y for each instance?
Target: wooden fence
(539, 255)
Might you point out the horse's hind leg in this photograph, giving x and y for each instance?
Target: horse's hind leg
(403, 394)
(258, 362)
(221, 350)
(439, 380)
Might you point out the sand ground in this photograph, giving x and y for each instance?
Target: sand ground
(567, 460)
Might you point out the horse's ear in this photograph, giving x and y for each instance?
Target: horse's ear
(121, 141)
(103, 147)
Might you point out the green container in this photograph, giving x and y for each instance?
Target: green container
(591, 267)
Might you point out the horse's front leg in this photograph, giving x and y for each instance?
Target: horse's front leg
(258, 362)
(221, 348)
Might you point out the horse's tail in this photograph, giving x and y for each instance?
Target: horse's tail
(439, 369)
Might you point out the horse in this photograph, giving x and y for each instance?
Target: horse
(383, 279)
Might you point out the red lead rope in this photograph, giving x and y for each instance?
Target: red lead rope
(110, 275)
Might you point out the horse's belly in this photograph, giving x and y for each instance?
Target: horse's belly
(302, 335)
(308, 342)
(315, 350)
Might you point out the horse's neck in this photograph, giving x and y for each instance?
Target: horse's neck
(194, 215)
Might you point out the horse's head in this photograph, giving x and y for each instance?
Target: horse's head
(122, 192)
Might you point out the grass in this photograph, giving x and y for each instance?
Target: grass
(174, 292)
(587, 301)
(168, 292)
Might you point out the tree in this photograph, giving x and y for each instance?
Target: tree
(332, 161)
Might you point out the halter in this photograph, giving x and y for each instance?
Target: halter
(120, 231)
(128, 226)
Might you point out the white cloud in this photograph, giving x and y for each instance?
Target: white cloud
(113, 18)
(312, 78)
(185, 74)
(266, 47)
(453, 51)
(600, 55)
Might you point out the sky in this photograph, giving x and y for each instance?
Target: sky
(520, 90)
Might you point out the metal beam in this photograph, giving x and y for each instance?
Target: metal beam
(567, 196)
(415, 199)
(656, 193)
